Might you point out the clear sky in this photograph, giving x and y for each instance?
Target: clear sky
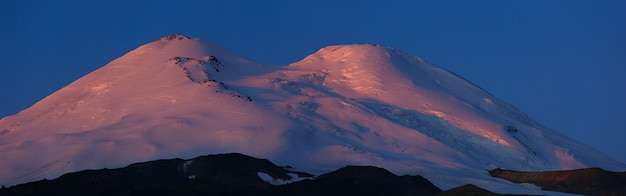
(561, 62)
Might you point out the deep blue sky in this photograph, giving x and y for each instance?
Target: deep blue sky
(561, 62)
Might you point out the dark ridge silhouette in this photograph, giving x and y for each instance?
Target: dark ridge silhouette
(590, 181)
(361, 180)
(238, 174)
(212, 174)
(467, 190)
(223, 174)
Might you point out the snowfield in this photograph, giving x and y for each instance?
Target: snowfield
(269, 179)
(343, 105)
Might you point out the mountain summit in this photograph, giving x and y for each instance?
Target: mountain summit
(179, 97)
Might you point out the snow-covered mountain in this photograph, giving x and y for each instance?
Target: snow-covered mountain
(348, 104)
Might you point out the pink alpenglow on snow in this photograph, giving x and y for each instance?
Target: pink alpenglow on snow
(349, 104)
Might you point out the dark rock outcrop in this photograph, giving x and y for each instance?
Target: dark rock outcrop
(590, 181)
(173, 37)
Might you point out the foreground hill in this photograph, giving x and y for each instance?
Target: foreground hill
(238, 174)
(224, 174)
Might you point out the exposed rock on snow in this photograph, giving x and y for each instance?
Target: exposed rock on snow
(173, 37)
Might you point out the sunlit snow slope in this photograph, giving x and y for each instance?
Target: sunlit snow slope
(350, 104)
